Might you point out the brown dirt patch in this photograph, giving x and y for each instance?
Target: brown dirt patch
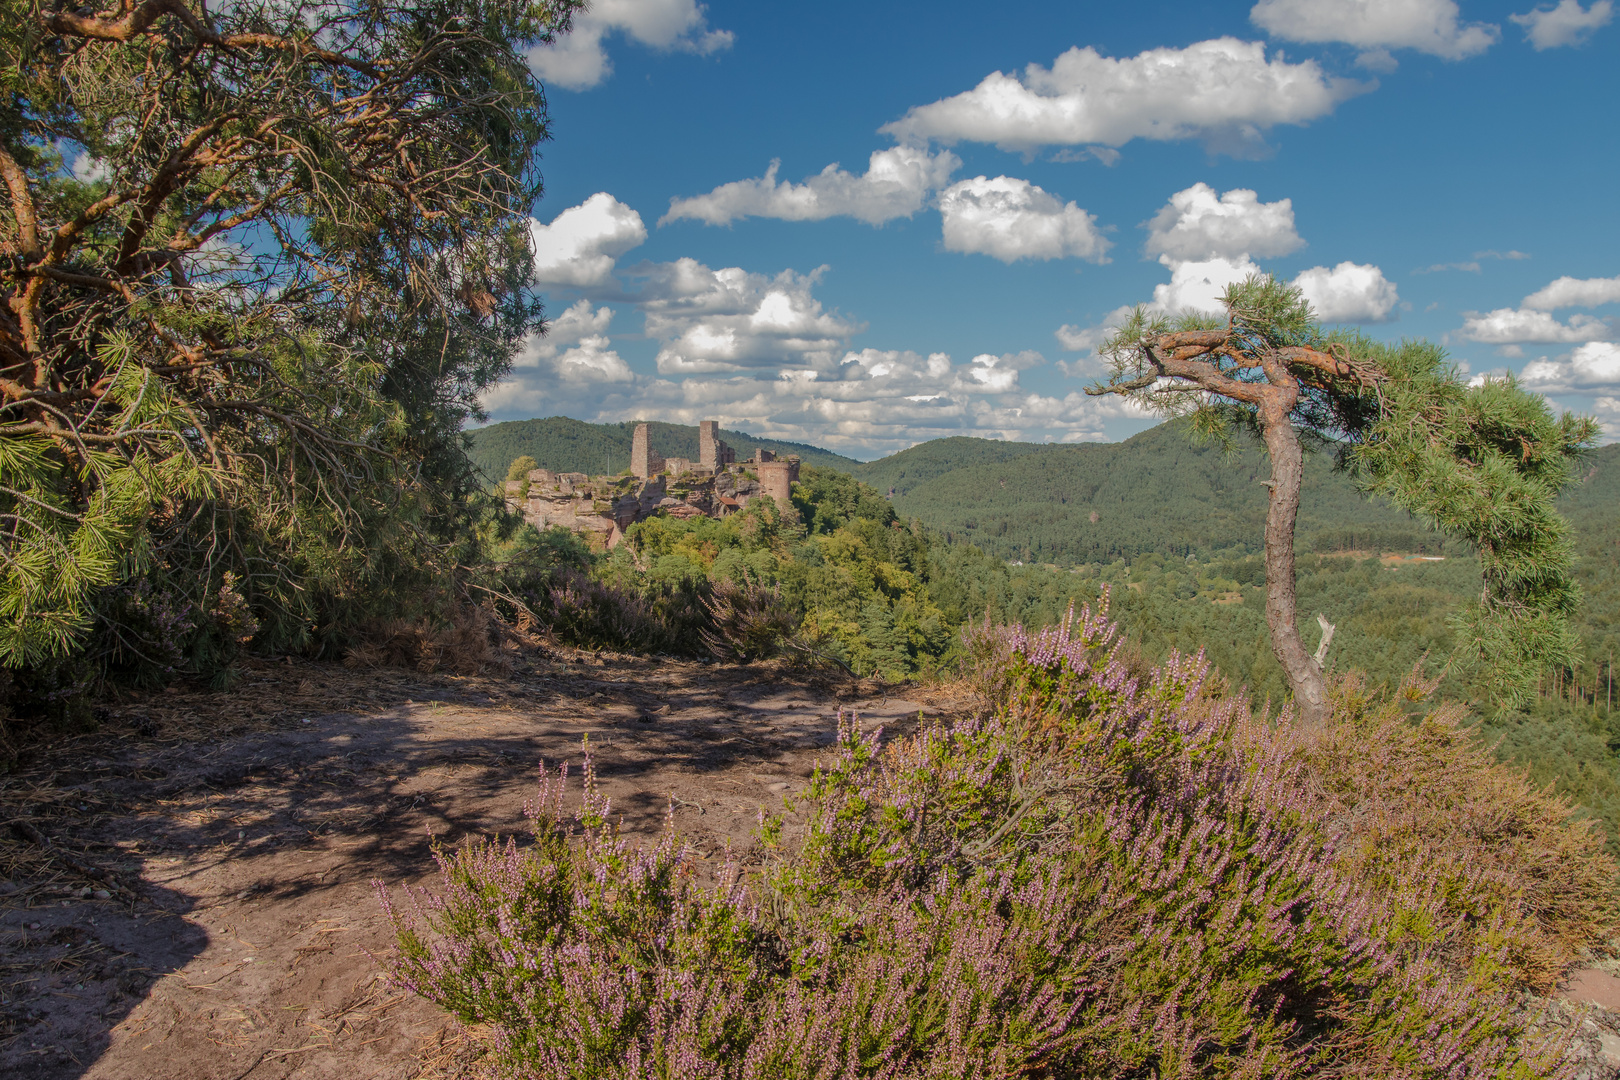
(187, 893)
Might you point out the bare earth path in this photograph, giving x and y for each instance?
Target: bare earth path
(185, 895)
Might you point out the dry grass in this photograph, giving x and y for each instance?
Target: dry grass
(1421, 808)
(474, 641)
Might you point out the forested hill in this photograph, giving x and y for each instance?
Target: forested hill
(1156, 492)
(1094, 502)
(604, 449)
(1594, 506)
(910, 469)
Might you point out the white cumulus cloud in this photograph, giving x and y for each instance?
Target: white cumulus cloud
(760, 352)
(1566, 24)
(1010, 219)
(1533, 321)
(89, 169)
(1574, 292)
(1593, 366)
(1607, 410)
(1208, 242)
(1513, 326)
(1085, 339)
(731, 320)
(1430, 26)
(576, 348)
(1196, 285)
(988, 373)
(579, 321)
(896, 184)
(1348, 293)
(581, 245)
(1199, 224)
(579, 60)
(573, 357)
(1223, 91)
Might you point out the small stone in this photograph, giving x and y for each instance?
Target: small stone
(1610, 1048)
(102, 894)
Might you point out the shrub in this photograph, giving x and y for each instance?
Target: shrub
(469, 640)
(658, 618)
(1109, 872)
(748, 619)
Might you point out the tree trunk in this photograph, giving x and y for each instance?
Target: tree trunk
(1287, 474)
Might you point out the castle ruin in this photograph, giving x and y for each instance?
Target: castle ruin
(602, 508)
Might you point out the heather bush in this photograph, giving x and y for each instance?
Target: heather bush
(748, 620)
(660, 618)
(467, 639)
(1419, 801)
(1109, 872)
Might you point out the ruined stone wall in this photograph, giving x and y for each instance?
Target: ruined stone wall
(601, 508)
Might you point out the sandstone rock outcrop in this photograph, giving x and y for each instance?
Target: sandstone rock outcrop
(602, 508)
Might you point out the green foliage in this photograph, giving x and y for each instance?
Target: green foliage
(881, 596)
(244, 333)
(521, 467)
(1484, 464)
(1393, 614)
(519, 470)
(914, 467)
(1157, 491)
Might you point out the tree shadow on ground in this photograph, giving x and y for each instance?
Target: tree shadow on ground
(348, 778)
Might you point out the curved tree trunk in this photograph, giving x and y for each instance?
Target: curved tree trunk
(1287, 473)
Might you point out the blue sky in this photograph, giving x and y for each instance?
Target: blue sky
(866, 225)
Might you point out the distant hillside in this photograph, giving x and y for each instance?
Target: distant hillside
(1097, 502)
(927, 461)
(575, 446)
(1595, 505)
(1155, 492)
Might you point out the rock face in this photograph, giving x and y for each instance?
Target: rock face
(601, 508)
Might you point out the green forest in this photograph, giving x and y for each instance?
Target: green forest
(979, 529)
(1159, 491)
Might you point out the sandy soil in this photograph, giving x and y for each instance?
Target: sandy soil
(186, 894)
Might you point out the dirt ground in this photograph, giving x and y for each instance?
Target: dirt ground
(186, 893)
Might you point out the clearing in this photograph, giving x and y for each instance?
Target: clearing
(186, 894)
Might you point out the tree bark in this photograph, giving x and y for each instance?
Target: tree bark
(1287, 475)
(1194, 356)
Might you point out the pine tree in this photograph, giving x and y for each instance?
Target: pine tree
(1481, 464)
(258, 261)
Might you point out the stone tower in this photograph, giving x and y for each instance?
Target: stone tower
(776, 479)
(713, 453)
(644, 464)
(709, 444)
